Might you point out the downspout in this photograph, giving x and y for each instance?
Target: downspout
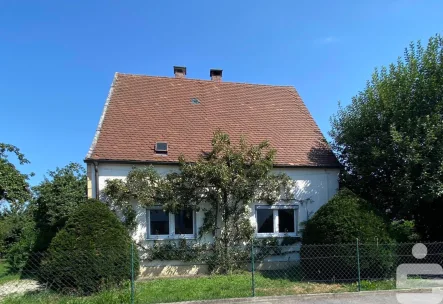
(96, 180)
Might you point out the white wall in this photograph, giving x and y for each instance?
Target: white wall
(318, 184)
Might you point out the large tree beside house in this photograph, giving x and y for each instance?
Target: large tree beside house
(160, 131)
(389, 139)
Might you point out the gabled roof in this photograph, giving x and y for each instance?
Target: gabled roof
(143, 110)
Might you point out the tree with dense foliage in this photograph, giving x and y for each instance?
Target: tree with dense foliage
(389, 139)
(92, 252)
(14, 187)
(404, 231)
(19, 238)
(56, 197)
(341, 221)
(222, 182)
(11, 227)
(16, 224)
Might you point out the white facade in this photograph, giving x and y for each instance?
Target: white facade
(318, 184)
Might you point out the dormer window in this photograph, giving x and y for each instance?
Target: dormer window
(161, 148)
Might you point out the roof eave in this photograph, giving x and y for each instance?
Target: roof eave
(156, 162)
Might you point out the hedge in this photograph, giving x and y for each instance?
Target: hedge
(92, 252)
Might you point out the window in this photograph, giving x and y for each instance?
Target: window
(184, 222)
(164, 225)
(161, 148)
(277, 220)
(265, 221)
(159, 222)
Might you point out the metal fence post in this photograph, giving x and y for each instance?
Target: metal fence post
(132, 273)
(252, 269)
(358, 266)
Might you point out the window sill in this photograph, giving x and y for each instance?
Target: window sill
(172, 237)
(275, 235)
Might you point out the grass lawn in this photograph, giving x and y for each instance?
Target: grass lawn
(378, 285)
(198, 288)
(4, 275)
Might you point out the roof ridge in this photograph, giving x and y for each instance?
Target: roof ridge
(206, 80)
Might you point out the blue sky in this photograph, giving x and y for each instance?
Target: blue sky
(58, 58)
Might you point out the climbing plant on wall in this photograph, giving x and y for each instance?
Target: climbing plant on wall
(222, 183)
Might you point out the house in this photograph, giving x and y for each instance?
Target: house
(153, 120)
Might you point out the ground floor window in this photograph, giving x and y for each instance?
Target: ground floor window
(164, 225)
(276, 220)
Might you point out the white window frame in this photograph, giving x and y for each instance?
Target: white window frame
(171, 235)
(275, 209)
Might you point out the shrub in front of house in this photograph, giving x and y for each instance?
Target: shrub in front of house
(91, 253)
(20, 252)
(329, 243)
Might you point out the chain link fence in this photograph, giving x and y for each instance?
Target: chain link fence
(80, 273)
(176, 271)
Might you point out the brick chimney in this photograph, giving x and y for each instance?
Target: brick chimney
(216, 75)
(179, 71)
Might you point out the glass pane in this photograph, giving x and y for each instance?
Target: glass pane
(184, 222)
(159, 222)
(286, 222)
(265, 221)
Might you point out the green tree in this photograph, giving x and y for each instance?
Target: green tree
(19, 237)
(222, 182)
(56, 197)
(16, 225)
(90, 253)
(341, 221)
(13, 225)
(389, 139)
(14, 187)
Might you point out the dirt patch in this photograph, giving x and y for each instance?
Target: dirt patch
(304, 288)
(319, 288)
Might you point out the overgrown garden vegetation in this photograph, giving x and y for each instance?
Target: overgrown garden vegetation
(51, 231)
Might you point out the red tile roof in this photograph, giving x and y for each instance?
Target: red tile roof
(143, 110)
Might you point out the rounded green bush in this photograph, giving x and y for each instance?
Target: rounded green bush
(92, 252)
(329, 249)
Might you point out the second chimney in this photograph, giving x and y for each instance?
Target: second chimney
(179, 71)
(216, 75)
